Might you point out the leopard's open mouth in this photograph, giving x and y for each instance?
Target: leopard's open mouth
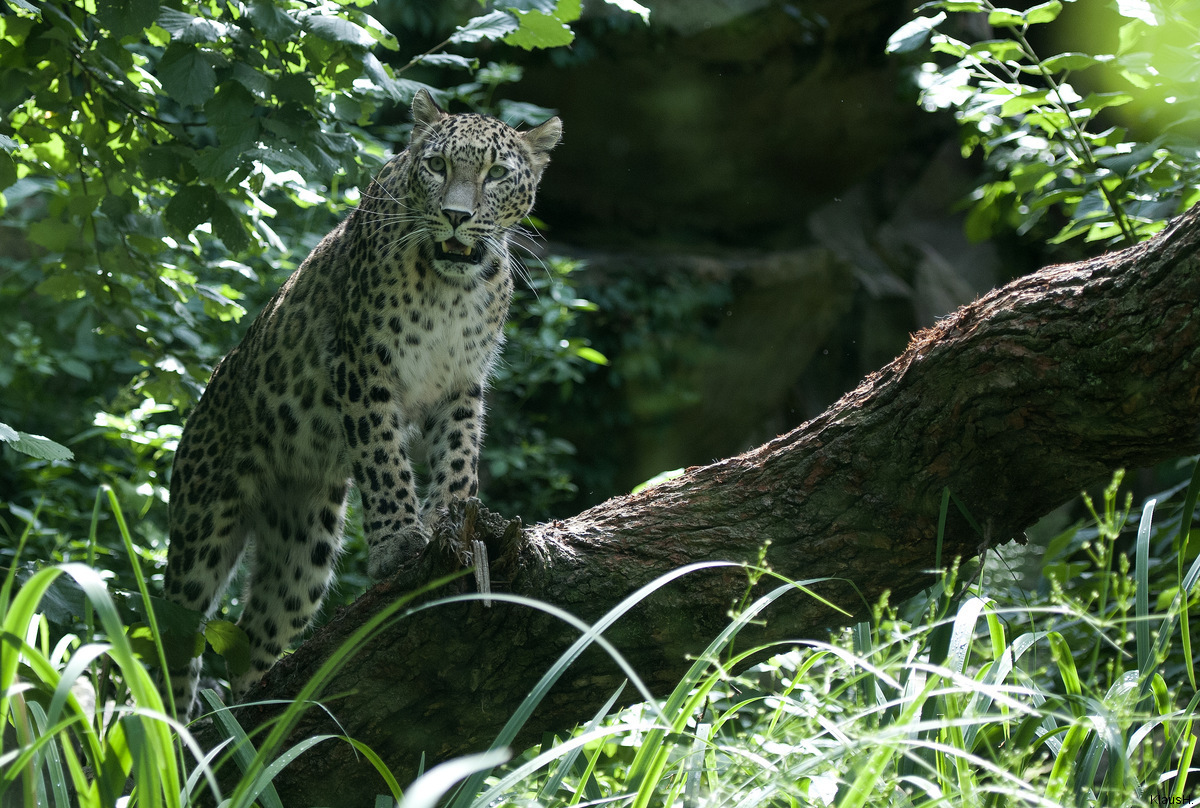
(454, 250)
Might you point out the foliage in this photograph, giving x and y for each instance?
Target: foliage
(526, 468)
(959, 697)
(1092, 145)
(657, 327)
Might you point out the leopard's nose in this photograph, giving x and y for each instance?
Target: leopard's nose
(457, 216)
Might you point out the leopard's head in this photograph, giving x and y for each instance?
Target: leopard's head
(471, 180)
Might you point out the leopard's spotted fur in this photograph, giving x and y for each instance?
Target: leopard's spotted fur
(386, 333)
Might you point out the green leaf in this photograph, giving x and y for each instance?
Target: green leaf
(496, 25)
(1098, 101)
(296, 88)
(945, 44)
(125, 17)
(180, 628)
(1044, 12)
(570, 10)
(232, 112)
(1005, 18)
(913, 34)
(954, 5)
(1073, 61)
(184, 27)
(191, 206)
(186, 75)
(228, 227)
(1002, 50)
(632, 7)
(1137, 10)
(61, 287)
(1028, 177)
(272, 22)
(53, 234)
(591, 355)
(378, 74)
(539, 30)
(228, 640)
(258, 83)
(1023, 103)
(1123, 164)
(448, 60)
(1050, 121)
(165, 162)
(34, 445)
(337, 29)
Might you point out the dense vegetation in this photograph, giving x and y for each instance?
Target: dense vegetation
(159, 180)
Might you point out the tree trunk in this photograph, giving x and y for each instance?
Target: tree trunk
(1013, 404)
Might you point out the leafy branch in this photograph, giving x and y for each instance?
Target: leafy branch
(1038, 135)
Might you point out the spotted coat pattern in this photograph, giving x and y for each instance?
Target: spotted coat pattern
(385, 335)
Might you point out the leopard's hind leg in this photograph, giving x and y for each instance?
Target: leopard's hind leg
(208, 537)
(297, 539)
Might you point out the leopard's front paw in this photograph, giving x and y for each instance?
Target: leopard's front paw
(386, 555)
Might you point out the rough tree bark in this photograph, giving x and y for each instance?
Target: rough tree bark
(1014, 403)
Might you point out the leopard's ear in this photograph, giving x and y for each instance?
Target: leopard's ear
(425, 111)
(542, 139)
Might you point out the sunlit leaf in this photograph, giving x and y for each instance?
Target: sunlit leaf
(1044, 12)
(913, 34)
(1005, 18)
(1023, 103)
(231, 642)
(539, 30)
(1073, 61)
(1003, 50)
(1137, 10)
(495, 25)
(338, 29)
(34, 445)
(186, 28)
(591, 355)
(632, 7)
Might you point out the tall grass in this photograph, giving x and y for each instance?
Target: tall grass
(1080, 695)
(1077, 692)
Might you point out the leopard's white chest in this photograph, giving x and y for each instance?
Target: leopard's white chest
(444, 341)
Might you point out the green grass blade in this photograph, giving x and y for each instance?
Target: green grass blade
(144, 591)
(1060, 651)
(568, 763)
(1185, 534)
(243, 753)
(308, 694)
(1060, 782)
(1182, 770)
(963, 633)
(428, 789)
(652, 756)
(1145, 654)
(591, 634)
(53, 760)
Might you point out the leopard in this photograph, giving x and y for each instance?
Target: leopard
(382, 341)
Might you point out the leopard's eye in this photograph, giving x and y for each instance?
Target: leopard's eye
(437, 164)
(497, 172)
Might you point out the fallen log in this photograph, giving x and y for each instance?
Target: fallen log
(1013, 403)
